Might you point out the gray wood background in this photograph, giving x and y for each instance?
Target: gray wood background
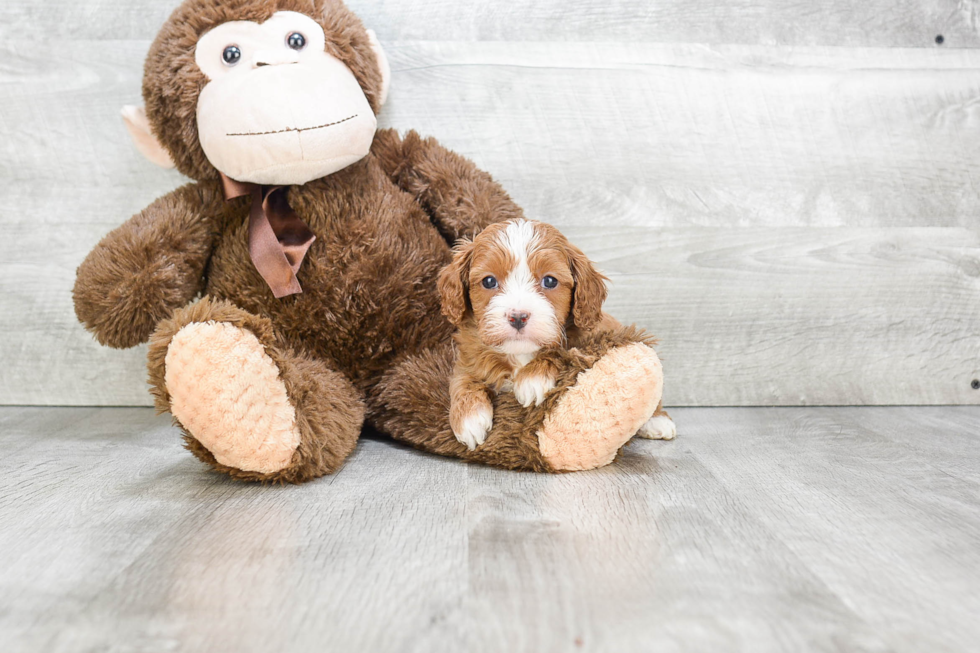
(785, 193)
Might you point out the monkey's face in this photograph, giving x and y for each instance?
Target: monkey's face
(277, 109)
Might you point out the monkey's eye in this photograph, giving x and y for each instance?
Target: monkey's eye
(296, 41)
(231, 55)
(489, 283)
(549, 282)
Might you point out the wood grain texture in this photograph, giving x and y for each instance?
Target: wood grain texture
(801, 316)
(683, 146)
(746, 317)
(899, 23)
(794, 529)
(906, 534)
(580, 133)
(693, 135)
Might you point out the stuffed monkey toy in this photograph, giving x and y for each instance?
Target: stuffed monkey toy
(314, 241)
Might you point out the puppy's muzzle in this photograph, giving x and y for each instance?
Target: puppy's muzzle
(518, 319)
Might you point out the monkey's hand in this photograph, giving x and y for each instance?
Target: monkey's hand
(148, 267)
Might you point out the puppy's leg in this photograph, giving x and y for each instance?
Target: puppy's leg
(470, 410)
(658, 427)
(535, 380)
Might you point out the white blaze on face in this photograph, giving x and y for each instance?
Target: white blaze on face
(521, 292)
(279, 115)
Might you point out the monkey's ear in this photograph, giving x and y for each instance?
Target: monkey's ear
(139, 129)
(382, 58)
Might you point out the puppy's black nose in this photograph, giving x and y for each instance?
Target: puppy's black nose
(518, 319)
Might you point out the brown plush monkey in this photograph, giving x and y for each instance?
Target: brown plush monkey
(316, 242)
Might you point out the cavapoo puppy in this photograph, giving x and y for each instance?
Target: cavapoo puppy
(517, 291)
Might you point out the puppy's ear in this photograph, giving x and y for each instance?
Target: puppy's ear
(454, 281)
(590, 289)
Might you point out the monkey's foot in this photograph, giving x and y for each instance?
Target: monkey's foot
(248, 406)
(603, 410)
(227, 392)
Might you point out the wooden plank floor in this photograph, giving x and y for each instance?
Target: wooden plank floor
(783, 529)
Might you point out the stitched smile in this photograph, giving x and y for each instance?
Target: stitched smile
(294, 129)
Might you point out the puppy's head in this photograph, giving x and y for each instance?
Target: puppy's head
(523, 283)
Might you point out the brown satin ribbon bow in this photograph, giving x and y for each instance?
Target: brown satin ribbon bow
(277, 238)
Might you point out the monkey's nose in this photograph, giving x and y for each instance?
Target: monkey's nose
(518, 319)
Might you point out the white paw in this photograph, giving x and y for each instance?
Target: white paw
(659, 427)
(531, 391)
(475, 427)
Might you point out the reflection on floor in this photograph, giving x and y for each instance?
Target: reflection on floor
(756, 530)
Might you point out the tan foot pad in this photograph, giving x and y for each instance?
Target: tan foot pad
(226, 392)
(602, 411)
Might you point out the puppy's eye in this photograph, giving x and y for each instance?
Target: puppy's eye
(549, 282)
(231, 55)
(489, 283)
(296, 41)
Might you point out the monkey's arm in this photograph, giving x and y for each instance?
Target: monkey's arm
(461, 198)
(606, 323)
(146, 268)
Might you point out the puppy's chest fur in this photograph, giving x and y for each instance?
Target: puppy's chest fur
(492, 367)
(516, 362)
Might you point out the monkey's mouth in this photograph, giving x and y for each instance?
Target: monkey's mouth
(294, 129)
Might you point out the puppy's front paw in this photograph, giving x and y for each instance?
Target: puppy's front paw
(658, 427)
(531, 390)
(472, 429)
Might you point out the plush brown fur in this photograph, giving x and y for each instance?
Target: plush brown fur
(413, 404)
(366, 337)
(329, 411)
(156, 266)
(461, 198)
